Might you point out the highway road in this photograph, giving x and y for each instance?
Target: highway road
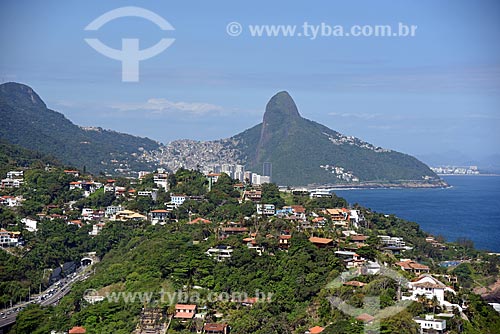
(53, 295)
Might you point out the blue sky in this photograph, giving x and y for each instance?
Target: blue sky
(436, 92)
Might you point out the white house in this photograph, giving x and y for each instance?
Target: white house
(161, 180)
(392, 241)
(265, 209)
(10, 201)
(371, 268)
(96, 229)
(14, 174)
(220, 252)
(30, 224)
(429, 287)
(356, 217)
(431, 325)
(112, 210)
(159, 216)
(9, 238)
(177, 200)
(11, 183)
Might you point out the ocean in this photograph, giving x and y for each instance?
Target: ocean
(470, 208)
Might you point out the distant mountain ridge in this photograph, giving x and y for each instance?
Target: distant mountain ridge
(27, 122)
(303, 152)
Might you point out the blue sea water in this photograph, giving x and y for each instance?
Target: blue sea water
(470, 208)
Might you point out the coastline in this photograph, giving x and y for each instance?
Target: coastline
(468, 174)
(379, 185)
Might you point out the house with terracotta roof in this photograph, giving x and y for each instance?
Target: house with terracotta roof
(252, 195)
(315, 330)
(77, 330)
(412, 266)
(250, 301)
(226, 232)
(299, 211)
(10, 201)
(319, 221)
(355, 284)
(185, 311)
(338, 214)
(321, 242)
(75, 173)
(75, 222)
(212, 328)
(159, 216)
(359, 239)
(200, 220)
(284, 241)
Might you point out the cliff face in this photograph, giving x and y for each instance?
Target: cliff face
(305, 152)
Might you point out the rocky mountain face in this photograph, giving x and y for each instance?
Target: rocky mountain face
(301, 151)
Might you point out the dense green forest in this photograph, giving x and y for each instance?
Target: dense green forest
(26, 121)
(153, 265)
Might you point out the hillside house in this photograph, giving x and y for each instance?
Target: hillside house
(185, 311)
(429, 287)
(211, 328)
(430, 325)
(321, 242)
(220, 252)
(159, 216)
(413, 267)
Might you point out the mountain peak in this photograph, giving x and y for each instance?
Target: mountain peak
(21, 95)
(280, 107)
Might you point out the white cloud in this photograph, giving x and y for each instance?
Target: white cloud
(164, 106)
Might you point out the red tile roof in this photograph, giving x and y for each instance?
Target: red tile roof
(200, 220)
(409, 265)
(77, 330)
(215, 327)
(355, 283)
(235, 229)
(359, 237)
(185, 306)
(316, 330)
(316, 240)
(298, 209)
